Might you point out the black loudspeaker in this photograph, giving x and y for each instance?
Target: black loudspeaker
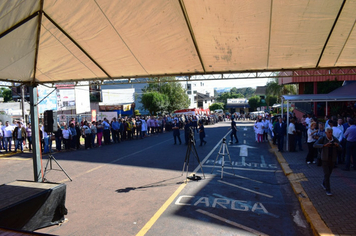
(26, 205)
(50, 121)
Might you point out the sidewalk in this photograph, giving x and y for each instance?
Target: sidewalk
(327, 215)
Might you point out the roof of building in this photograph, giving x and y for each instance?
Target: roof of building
(261, 90)
(344, 93)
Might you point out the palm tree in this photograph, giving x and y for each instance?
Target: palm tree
(275, 89)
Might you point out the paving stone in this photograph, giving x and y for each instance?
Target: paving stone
(337, 211)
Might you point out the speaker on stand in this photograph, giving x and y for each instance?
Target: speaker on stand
(50, 121)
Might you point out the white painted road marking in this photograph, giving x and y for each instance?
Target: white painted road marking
(230, 222)
(263, 160)
(243, 149)
(249, 190)
(242, 177)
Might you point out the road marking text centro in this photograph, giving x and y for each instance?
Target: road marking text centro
(224, 203)
(245, 164)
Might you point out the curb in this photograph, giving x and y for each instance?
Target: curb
(311, 214)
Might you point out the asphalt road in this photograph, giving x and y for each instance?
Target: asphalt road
(138, 188)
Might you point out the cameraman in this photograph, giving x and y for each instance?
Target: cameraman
(329, 149)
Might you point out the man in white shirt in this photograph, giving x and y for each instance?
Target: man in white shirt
(8, 129)
(337, 133)
(291, 135)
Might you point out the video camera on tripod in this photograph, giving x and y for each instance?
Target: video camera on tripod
(191, 134)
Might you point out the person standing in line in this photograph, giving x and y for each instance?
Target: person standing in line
(67, 136)
(311, 140)
(176, 132)
(59, 137)
(299, 134)
(121, 130)
(106, 133)
(93, 133)
(337, 133)
(29, 136)
(73, 131)
(2, 146)
(259, 129)
(291, 135)
(100, 130)
(233, 131)
(308, 121)
(143, 128)
(138, 127)
(86, 132)
(330, 147)
(78, 129)
(8, 136)
(350, 135)
(45, 140)
(201, 133)
(280, 131)
(115, 125)
(19, 135)
(265, 129)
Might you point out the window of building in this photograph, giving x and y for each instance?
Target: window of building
(195, 92)
(189, 86)
(189, 92)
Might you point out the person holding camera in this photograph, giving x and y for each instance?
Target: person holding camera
(330, 146)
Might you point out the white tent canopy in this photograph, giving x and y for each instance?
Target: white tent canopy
(69, 40)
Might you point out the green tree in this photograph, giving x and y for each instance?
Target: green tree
(176, 96)
(154, 102)
(6, 94)
(270, 100)
(217, 105)
(233, 90)
(254, 102)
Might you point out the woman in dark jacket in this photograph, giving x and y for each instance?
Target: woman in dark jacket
(330, 147)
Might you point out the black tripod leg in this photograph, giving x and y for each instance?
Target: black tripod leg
(196, 155)
(228, 154)
(216, 159)
(186, 157)
(61, 168)
(45, 170)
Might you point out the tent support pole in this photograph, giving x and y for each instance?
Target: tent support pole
(326, 108)
(287, 139)
(36, 147)
(282, 107)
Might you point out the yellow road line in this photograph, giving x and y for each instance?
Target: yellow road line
(155, 217)
(164, 207)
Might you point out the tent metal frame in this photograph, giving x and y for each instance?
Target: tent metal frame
(310, 98)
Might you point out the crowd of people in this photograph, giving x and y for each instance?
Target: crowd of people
(15, 134)
(117, 130)
(330, 142)
(69, 135)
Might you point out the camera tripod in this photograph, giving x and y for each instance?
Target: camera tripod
(192, 148)
(49, 161)
(224, 148)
